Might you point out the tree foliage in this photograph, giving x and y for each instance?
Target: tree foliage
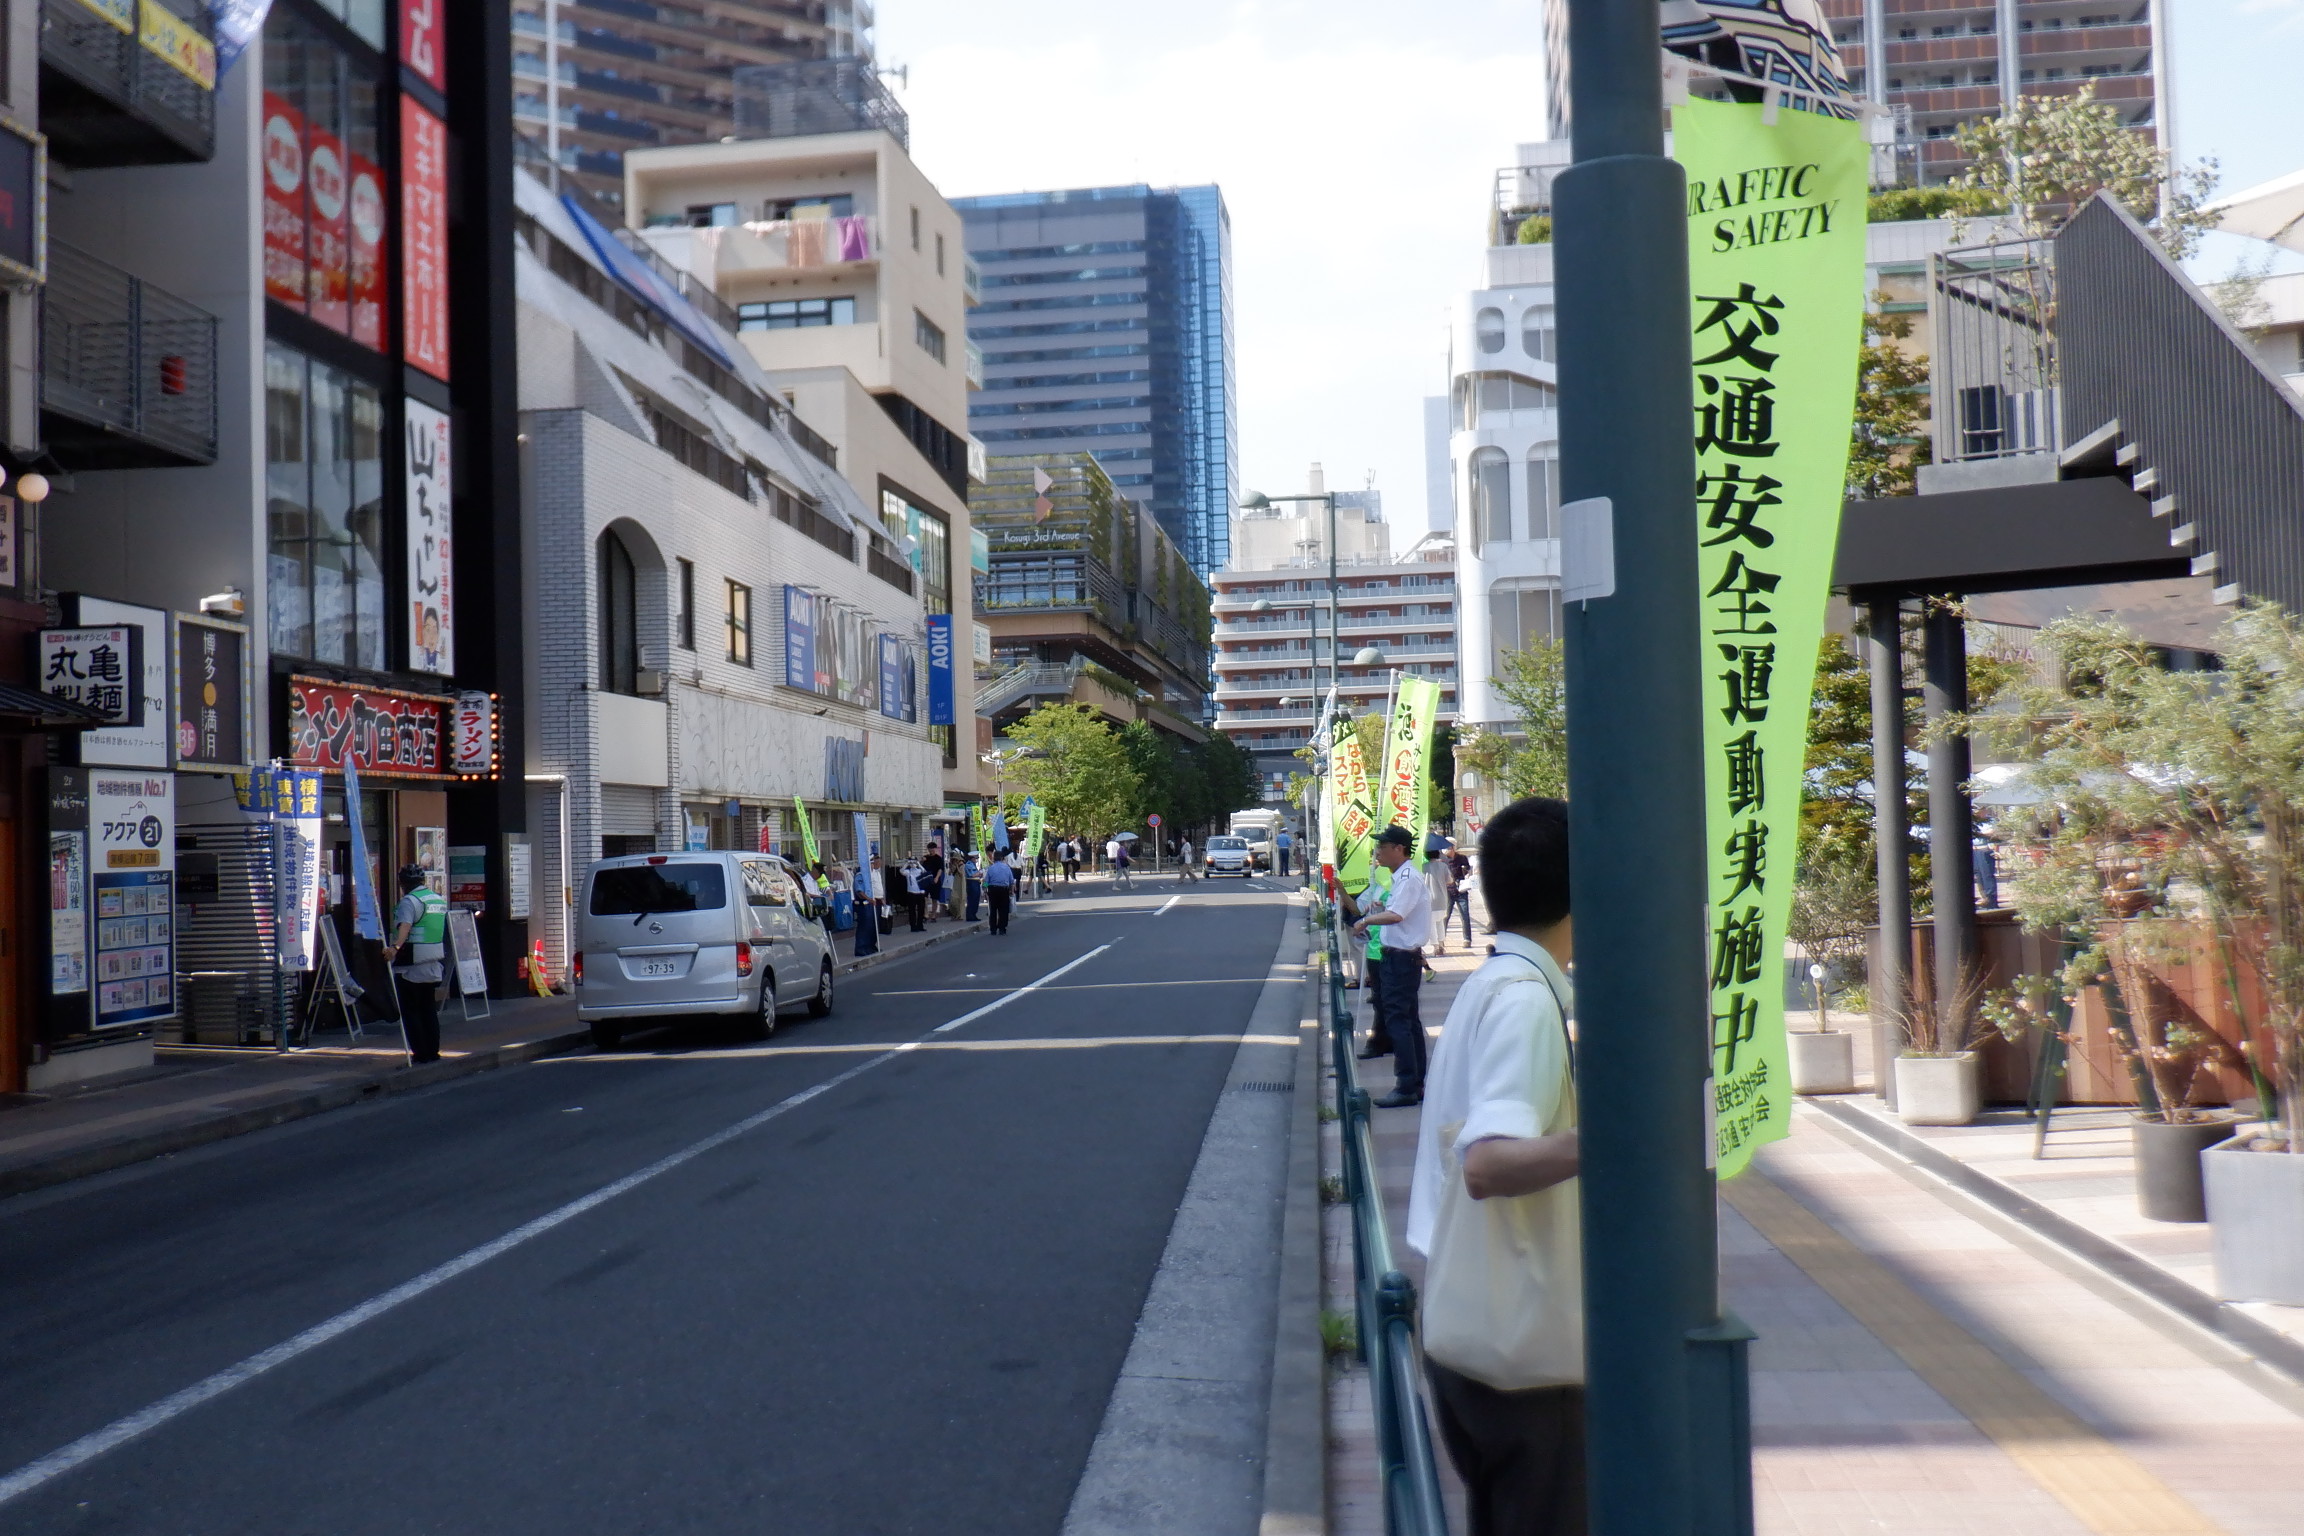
(1897, 205)
(1077, 767)
(2046, 155)
(1533, 760)
(1889, 441)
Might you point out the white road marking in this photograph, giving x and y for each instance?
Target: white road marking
(87, 1448)
(1171, 901)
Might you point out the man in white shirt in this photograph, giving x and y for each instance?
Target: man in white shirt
(1405, 921)
(1494, 1200)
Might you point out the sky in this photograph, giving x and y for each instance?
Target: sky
(1357, 145)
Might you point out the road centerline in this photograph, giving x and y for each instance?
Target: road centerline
(78, 1453)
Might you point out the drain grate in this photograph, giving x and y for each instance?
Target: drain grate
(1264, 1088)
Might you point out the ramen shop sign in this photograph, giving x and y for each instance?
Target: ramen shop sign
(382, 731)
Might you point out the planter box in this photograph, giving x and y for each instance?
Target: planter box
(1823, 1062)
(2169, 1183)
(1939, 1090)
(2256, 1209)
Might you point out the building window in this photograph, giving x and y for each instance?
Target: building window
(687, 629)
(939, 255)
(619, 617)
(1518, 616)
(839, 205)
(792, 314)
(1537, 337)
(1543, 496)
(926, 332)
(739, 623)
(1488, 330)
(1491, 496)
(324, 500)
(711, 215)
(915, 229)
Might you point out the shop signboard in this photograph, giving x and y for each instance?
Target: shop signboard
(468, 876)
(423, 40)
(146, 738)
(328, 185)
(98, 668)
(132, 868)
(366, 221)
(423, 238)
(284, 232)
(475, 748)
(167, 36)
(212, 716)
(23, 204)
(828, 648)
(402, 734)
(67, 882)
(800, 638)
(940, 669)
(290, 800)
(120, 13)
(8, 541)
(431, 566)
(519, 878)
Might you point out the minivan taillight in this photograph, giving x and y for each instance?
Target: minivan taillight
(576, 968)
(743, 959)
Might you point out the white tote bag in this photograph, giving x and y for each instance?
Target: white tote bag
(1504, 1292)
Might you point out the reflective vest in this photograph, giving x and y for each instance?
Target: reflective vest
(428, 935)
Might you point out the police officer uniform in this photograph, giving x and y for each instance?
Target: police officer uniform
(420, 937)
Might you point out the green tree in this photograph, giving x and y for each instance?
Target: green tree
(2047, 155)
(1077, 767)
(1228, 778)
(1533, 760)
(1889, 442)
(1897, 205)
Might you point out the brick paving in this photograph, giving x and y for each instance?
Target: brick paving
(2136, 1425)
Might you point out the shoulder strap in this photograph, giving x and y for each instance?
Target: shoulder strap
(1538, 973)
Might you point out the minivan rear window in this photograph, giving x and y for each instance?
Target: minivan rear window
(633, 889)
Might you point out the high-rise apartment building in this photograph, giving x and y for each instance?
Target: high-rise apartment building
(1941, 65)
(595, 78)
(1106, 329)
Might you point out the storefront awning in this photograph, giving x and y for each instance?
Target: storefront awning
(27, 707)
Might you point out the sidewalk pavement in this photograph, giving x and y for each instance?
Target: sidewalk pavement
(1926, 1364)
(194, 1095)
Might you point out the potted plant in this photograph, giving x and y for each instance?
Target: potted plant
(2178, 798)
(1939, 1078)
(1832, 906)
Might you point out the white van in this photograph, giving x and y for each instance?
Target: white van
(665, 935)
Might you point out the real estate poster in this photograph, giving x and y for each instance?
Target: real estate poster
(1776, 267)
(431, 543)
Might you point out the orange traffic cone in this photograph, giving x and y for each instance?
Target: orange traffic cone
(539, 973)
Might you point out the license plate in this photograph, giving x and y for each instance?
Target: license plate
(659, 967)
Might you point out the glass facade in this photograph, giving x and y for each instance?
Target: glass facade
(324, 499)
(1058, 264)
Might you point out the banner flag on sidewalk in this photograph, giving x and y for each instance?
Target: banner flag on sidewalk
(1776, 273)
(1353, 791)
(1035, 826)
(976, 829)
(807, 830)
(1404, 798)
(367, 917)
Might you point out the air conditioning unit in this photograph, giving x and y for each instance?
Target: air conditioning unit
(648, 681)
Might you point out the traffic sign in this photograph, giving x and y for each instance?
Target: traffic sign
(1153, 819)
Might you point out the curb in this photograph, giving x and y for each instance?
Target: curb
(2271, 1348)
(1296, 1416)
(65, 1167)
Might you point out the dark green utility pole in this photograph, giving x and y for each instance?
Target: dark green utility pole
(1667, 1442)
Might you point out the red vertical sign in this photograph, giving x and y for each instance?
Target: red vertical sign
(423, 34)
(368, 283)
(329, 183)
(424, 238)
(283, 202)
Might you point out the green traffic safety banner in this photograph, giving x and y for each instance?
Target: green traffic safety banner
(1354, 796)
(808, 835)
(1035, 826)
(1776, 271)
(976, 829)
(1404, 798)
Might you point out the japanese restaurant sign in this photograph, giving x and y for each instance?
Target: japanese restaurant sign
(423, 40)
(1776, 268)
(211, 694)
(284, 233)
(423, 238)
(431, 584)
(98, 667)
(407, 734)
(475, 746)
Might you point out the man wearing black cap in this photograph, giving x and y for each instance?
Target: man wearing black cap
(419, 925)
(1405, 919)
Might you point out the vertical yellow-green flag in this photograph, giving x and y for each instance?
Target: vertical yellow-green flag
(808, 836)
(1035, 827)
(1404, 795)
(1351, 788)
(1776, 269)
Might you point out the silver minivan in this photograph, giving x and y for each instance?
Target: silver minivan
(666, 935)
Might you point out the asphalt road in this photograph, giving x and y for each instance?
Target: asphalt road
(899, 1305)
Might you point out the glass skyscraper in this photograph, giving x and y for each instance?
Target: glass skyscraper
(1106, 328)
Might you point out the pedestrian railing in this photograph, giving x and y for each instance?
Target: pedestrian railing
(1385, 1299)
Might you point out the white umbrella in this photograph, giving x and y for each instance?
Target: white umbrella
(1124, 837)
(2271, 211)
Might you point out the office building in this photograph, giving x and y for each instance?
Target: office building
(1275, 661)
(1107, 329)
(595, 78)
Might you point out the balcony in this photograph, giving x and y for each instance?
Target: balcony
(971, 286)
(106, 99)
(127, 370)
(974, 369)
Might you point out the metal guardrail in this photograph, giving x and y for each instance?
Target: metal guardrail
(128, 359)
(1385, 1311)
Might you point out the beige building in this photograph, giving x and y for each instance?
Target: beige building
(841, 266)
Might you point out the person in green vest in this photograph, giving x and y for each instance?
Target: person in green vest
(420, 927)
(1368, 898)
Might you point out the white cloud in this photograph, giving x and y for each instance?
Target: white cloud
(1356, 146)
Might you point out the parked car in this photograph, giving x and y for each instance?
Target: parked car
(670, 935)
(1228, 855)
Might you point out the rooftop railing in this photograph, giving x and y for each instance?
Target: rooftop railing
(127, 369)
(107, 100)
